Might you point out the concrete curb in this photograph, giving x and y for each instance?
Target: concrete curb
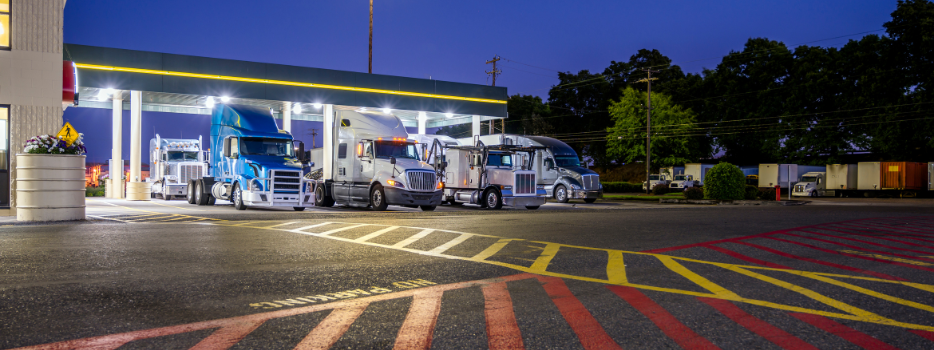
(738, 202)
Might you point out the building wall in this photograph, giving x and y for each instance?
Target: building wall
(31, 75)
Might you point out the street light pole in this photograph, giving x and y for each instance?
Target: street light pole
(371, 37)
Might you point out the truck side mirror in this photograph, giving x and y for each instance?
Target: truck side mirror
(392, 160)
(583, 164)
(300, 151)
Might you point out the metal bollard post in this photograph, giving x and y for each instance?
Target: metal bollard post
(778, 193)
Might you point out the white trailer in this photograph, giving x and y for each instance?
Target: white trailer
(698, 171)
(782, 175)
(172, 162)
(841, 179)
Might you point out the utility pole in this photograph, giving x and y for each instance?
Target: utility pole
(371, 37)
(314, 134)
(495, 71)
(648, 129)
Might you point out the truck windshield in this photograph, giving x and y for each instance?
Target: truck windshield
(653, 177)
(680, 177)
(809, 179)
(386, 149)
(499, 159)
(567, 161)
(266, 147)
(182, 156)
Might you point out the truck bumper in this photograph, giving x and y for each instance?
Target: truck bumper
(267, 199)
(398, 196)
(585, 194)
(520, 202)
(175, 190)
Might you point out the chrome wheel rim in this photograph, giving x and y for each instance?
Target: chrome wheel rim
(561, 194)
(237, 197)
(491, 199)
(377, 198)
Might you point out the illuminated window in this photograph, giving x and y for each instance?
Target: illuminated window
(4, 24)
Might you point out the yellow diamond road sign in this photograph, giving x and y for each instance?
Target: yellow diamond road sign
(68, 133)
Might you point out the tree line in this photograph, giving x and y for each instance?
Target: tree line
(765, 103)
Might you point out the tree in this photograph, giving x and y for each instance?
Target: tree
(528, 115)
(670, 126)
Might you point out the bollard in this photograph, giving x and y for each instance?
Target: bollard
(778, 193)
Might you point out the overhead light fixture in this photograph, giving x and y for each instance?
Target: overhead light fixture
(317, 105)
(210, 102)
(387, 110)
(104, 94)
(225, 99)
(362, 109)
(297, 108)
(449, 115)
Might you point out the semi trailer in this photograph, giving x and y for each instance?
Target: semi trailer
(558, 168)
(903, 179)
(252, 163)
(376, 165)
(172, 164)
(490, 176)
(841, 179)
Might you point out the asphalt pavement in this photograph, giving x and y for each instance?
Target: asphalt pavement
(161, 275)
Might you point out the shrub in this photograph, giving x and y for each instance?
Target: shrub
(768, 194)
(659, 189)
(621, 187)
(752, 192)
(725, 181)
(693, 193)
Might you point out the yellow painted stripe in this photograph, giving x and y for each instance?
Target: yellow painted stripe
(714, 288)
(375, 234)
(839, 305)
(871, 292)
(493, 249)
(283, 82)
(616, 268)
(541, 263)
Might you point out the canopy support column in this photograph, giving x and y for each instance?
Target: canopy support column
(115, 183)
(287, 116)
(329, 127)
(137, 189)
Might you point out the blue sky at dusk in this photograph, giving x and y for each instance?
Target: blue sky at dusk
(448, 40)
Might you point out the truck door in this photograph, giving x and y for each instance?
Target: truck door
(344, 178)
(365, 168)
(549, 169)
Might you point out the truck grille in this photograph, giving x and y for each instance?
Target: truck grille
(525, 183)
(799, 188)
(189, 172)
(591, 182)
(286, 181)
(421, 180)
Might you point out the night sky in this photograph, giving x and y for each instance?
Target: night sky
(447, 40)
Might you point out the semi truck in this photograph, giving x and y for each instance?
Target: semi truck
(682, 182)
(252, 163)
(172, 164)
(490, 176)
(812, 184)
(656, 179)
(558, 168)
(375, 165)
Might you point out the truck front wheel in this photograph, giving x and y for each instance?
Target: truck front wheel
(378, 198)
(492, 199)
(238, 198)
(321, 200)
(561, 194)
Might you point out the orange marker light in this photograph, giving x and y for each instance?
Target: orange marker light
(359, 149)
(440, 185)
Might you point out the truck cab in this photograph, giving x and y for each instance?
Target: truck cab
(682, 182)
(253, 163)
(376, 165)
(172, 163)
(655, 179)
(491, 176)
(812, 184)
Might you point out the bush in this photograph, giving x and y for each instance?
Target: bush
(725, 181)
(621, 187)
(693, 193)
(752, 192)
(659, 189)
(768, 194)
(94, 191)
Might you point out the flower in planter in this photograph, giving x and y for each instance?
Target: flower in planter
(48, 144)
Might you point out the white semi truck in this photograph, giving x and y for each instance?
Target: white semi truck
(812, 184)
(172, 162)
(490, 176)
(375, 165)
(656, 179)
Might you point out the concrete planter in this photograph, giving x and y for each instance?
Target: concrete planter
(49, 187)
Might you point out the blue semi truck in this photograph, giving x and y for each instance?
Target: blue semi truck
(252, 162)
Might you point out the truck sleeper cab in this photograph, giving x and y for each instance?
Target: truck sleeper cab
(254, 164)
(489, 176)
(375, 165)
(812, 184)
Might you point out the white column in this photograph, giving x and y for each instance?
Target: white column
(422, 120)
(287, 116)
(116, 170)
(476, 125)
(328, 142)
(137, 189)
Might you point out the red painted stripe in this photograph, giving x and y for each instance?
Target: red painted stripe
(674, 329)
(748, 258)
(226, 337)
(901, 234)
(851, 255)
(849, 232)
(420, 322)
(825, 263)
(753, 324)
(849, 334)
(921, 230)
(588, 330)
(924, 334)
(871, 243)
(501, 328)
(331, 328)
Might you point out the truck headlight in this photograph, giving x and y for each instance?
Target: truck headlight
(575, 186)
(395, 183)
(440, 185)
(256, 186)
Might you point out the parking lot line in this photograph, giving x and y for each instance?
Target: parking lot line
(413, 238)
(616, 268)
(849, 334)
(375, 234)
(302, 229)
(541, 263)
(228, 336)
(820, 262)
(764, 329)
(331, 328)
(674, 329)
(502, 331)
(444, 247)
(913, 244)
(866, 242)
(419, 324)
(746, 258)
(847, 254)
(590, 333)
